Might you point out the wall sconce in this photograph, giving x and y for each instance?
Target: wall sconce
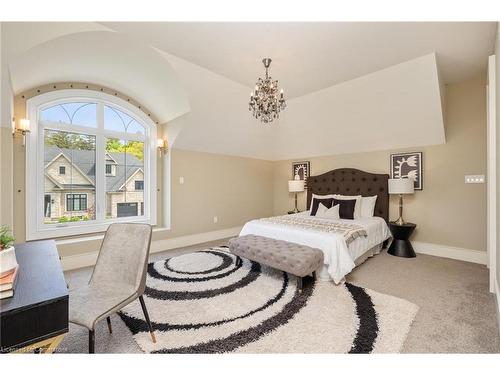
(23, 127)
(162, 145)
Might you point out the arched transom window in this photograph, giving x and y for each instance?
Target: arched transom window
(90, 162)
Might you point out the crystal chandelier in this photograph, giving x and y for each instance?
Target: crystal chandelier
(265, 102)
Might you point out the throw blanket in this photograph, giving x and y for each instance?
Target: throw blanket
(349, 231)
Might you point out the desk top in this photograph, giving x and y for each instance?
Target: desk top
(40, 278)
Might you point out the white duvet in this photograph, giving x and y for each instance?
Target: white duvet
(339, 258)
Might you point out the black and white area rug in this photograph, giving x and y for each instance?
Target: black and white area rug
(203, 303)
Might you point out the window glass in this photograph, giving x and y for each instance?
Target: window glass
(123, 197)
(69, 177)
(76, 202)
(119, 121)
(83, 114)
(139, 185)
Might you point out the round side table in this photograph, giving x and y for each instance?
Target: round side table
(401, 246)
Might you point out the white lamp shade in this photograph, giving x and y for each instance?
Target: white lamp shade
(401, 186)
(24, 124)
(295, 186)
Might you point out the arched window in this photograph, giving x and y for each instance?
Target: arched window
(90, 162)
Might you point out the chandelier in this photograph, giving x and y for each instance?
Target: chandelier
(265, 102)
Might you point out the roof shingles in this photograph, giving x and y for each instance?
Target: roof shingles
(126, 165)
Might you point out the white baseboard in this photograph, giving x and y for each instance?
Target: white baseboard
(88, 259)
(444, 251)
(193, 239)
(72, 262)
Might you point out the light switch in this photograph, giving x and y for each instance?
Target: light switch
(475, 179)
(181, 180)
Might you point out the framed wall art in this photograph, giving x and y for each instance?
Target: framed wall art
(408, 165)
(301, 169)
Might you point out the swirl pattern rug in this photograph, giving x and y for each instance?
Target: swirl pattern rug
(203, 303)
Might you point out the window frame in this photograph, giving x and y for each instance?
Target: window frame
(35, 191)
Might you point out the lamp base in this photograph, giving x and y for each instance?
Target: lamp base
(295, 210)
(399, 221)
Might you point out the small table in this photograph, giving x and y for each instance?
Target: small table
(401, 246)
(36, 317)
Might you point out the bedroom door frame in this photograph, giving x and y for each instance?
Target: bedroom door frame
(491, 181)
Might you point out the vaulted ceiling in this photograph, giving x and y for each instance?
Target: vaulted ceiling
(308, 57)
(348, 85)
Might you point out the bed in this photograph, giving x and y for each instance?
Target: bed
(341, 256)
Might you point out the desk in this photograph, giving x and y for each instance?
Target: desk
(37, 315)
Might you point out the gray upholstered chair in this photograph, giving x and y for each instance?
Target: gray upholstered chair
(118, 278)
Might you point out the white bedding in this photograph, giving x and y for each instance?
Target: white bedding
(339, 257)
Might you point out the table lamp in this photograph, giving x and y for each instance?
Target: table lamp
(401, 186)
(296, 186)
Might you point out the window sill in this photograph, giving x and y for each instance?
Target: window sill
(59, 231)
(98, 237)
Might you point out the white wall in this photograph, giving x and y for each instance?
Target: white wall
(1, 97)
(6, 156)
(219, 120)
(103, 58)
(393, 108)
(497, 95)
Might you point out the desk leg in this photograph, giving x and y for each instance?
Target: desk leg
(54, 344)
(46, 346)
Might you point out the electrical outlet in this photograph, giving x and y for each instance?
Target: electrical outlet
(216, 219)
(475, 179)
(181, 180)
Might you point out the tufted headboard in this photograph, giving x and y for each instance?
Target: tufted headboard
(350, 181)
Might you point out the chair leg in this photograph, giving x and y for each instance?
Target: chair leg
(91, 341)
(146, 315)
(108, 319)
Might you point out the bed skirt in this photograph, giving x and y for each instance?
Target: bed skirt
(323, 275)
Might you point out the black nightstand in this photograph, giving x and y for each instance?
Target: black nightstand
(401, 246)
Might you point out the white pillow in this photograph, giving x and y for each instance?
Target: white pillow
(317, 196)
(328, 213)
(357, 206)
(368, 206)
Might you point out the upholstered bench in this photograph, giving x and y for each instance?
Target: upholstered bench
(295, 259)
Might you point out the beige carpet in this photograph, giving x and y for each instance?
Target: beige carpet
(457, 313)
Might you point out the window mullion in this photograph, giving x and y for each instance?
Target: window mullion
(100, 186)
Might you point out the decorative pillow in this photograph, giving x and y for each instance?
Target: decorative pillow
(328, 202)
(357, 208)
(346, 209)
(368, 206)
(317, 196)
(328, 213)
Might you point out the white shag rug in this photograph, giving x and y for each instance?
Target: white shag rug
(203, 303)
